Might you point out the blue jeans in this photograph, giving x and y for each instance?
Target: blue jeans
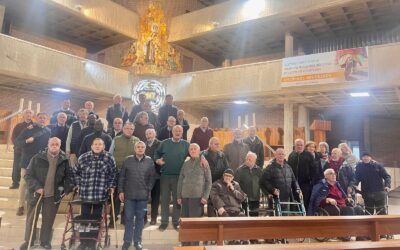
(134, 219)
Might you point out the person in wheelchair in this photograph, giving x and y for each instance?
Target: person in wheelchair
(329, 198)
(227, 196)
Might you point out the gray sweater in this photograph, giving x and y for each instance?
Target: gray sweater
(136, 178)
(194, 180)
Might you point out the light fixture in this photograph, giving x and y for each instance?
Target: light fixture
(240, 102)
(61, 90)
(253, 8)
(359, 94)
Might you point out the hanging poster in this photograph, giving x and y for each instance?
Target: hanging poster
(331, 67)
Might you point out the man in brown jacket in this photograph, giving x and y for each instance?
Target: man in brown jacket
(236, 151)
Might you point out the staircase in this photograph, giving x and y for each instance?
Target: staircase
(8, 197)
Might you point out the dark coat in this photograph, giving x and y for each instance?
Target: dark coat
(346, 176)
(59, 132)
(249, 181)
(185, 126)
(235, 153)
(140, 131)
(36, 175)
(164, 112)
(71, 116)
(112, 134)
(217, 165)
(115, 111)
(164, 133)
(319, 193)
(202, 138)
(150, 150)
(257, 147)
(18, 129)
(303, 167)
(373, 177)
(221, 196)
(88, 140)
(134, 111)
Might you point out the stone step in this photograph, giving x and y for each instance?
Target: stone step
(6, 163)
(5, 172)
(5, 192)
(8, 203)
(5, 181)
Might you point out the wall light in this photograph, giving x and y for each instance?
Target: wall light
(61, 90)
(253, 8)
(359, 94)
(240, 102)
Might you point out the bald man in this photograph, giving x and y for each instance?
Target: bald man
(60, 129)
(236, 151)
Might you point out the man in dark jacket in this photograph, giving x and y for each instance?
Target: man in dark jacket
(73, 139)
(166, 132)
(278, 178)
(91, 120)
(66, 108)
(60, 129)
(202, 134)
(180, 120)
(98, 133)
(136, 108)
(375, 184)
(48, 175)
(166, 111)
(116, 110)
(256, 146)
(32, 140)
(116, 129)
(135, 183)
(302, 163)
(18, 129)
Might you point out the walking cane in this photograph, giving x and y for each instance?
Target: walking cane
(34, 221)
(115, 225)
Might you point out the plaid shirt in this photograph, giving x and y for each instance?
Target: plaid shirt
(94, 175)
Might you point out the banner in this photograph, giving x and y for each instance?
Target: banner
(331, 67)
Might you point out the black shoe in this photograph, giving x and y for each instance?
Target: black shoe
(176, 227)
(153, 222)
(361, 238)
(138, 245)
(126, 245)
(162, 227)
(344, 238)
(45, 245)
(20, 211)
(24, 246)
(111, 225)
(14, 186)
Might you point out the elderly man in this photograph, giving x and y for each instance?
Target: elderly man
(32, 140)
(73, 143)
(166, 132)
(89, 129)
(89, 106)
(98, 133)
(202, 134)
(18, 129)
(304, 169)
(135, 182)
(167, 110)
(194, 186)
(180, 120)
(170, 156)
(116, 110)
(137, 108)
(248, 176)
(48, 175)
(237, 150)
(60, 129)
(152, 144)
(153, 119)
(375, 184)
(278, 178)
(116, 129)
(255, 145)
(142, 125)
(227, 196)
(95, 176)
(66, 108)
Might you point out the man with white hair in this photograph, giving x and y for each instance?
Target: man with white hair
(236, 151)
(255, 145)
(66, 108)
(73, 143)
(202, 134)
(60, 129)
(89, 106)
(248, 176)
(180, 120)
(166, 131)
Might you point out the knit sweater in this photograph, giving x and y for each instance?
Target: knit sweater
(194, 180)
(174, 155)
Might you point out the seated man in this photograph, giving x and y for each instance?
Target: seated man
(329, 195)
(226, 195)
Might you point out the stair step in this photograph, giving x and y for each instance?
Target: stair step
(5, 181)
(8, 193)
(6, 172)
(6, 163)
(8, 203)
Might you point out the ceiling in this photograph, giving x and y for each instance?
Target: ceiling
(265, 36)
(42, 18)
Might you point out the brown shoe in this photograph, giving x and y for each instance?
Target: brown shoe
(20, 211)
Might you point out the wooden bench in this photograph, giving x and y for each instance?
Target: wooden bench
(246, 228)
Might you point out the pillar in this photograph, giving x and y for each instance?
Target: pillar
(288, 127)
(2, 12)
(226, 118)
(289, 45)
(304, 121)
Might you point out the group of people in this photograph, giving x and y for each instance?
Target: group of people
(143, 156)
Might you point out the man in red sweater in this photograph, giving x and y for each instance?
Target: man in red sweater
(202, 135)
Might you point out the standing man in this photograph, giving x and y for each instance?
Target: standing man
(248, 176)
(66, 108)
(375, 184)
(302, 163)
(87, 130)
(236, 151)
(141, 125)
(49, 175)
(32, 140)
(152, 144)
(95, 177)
(60, 129)
(170, 156)
(255, 145)
(116, 128)
(137, 108)
(121, 147)
(135, 182)
(167, 110)
(153, 119)
(98, 133)
(202, 134)
(16, 172)
(116, 110)
(166, 132)
(73, 139)
(89, 106)
(183, 122)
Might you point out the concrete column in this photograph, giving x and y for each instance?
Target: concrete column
(289, 45)
(288, 127)
(226, 118)
(304, 121)
(2, 12)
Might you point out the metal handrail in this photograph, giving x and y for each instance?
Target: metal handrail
(10, 116)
